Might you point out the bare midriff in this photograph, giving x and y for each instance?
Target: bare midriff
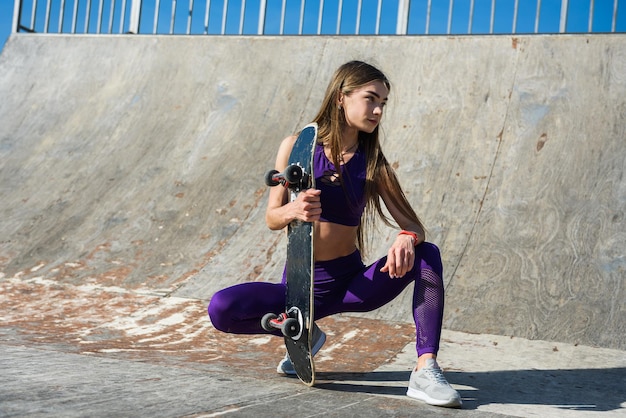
(334, 240)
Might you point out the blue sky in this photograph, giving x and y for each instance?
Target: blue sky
(548, 23)
(6, 16)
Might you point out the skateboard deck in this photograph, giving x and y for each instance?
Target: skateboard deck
(297, 320)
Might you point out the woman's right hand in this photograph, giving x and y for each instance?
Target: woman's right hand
(307, 206)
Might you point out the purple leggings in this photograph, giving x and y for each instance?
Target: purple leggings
(342, 285)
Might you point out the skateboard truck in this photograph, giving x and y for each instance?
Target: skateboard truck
(289, 323)
(294, 177)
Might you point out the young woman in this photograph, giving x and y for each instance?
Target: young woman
(352, 178)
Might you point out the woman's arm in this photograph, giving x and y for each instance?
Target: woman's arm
(401, 255)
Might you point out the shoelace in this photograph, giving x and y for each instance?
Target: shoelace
(436, 375)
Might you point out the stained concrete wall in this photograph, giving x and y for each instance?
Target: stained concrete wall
(138, 161)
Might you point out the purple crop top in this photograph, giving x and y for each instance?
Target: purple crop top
(340, 206)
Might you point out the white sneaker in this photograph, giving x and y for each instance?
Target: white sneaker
(429, 385)
(318, 339)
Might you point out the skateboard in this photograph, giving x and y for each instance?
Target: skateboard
(297, 320)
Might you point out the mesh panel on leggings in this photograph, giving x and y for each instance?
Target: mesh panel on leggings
(428, 310)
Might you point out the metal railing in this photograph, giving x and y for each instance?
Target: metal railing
(319, 17)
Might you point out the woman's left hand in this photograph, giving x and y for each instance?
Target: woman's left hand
(400, 257)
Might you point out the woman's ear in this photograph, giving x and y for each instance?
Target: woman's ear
(340, 99)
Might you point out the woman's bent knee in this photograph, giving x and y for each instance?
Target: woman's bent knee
(219, 311)
(429, 249)
(430, 256)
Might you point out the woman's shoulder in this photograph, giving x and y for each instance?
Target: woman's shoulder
(287, 143)
(284, 150)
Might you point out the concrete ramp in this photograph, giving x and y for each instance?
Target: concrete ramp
(136, 163)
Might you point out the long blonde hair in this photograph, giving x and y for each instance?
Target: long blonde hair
(379, 174)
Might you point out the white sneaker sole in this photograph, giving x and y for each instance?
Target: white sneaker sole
(419, 395)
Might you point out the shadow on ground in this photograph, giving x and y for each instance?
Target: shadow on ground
(579, 389)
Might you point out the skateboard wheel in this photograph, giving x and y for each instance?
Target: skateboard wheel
(265, 321)
(269, 178)
(291, 327)
(293, 174)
